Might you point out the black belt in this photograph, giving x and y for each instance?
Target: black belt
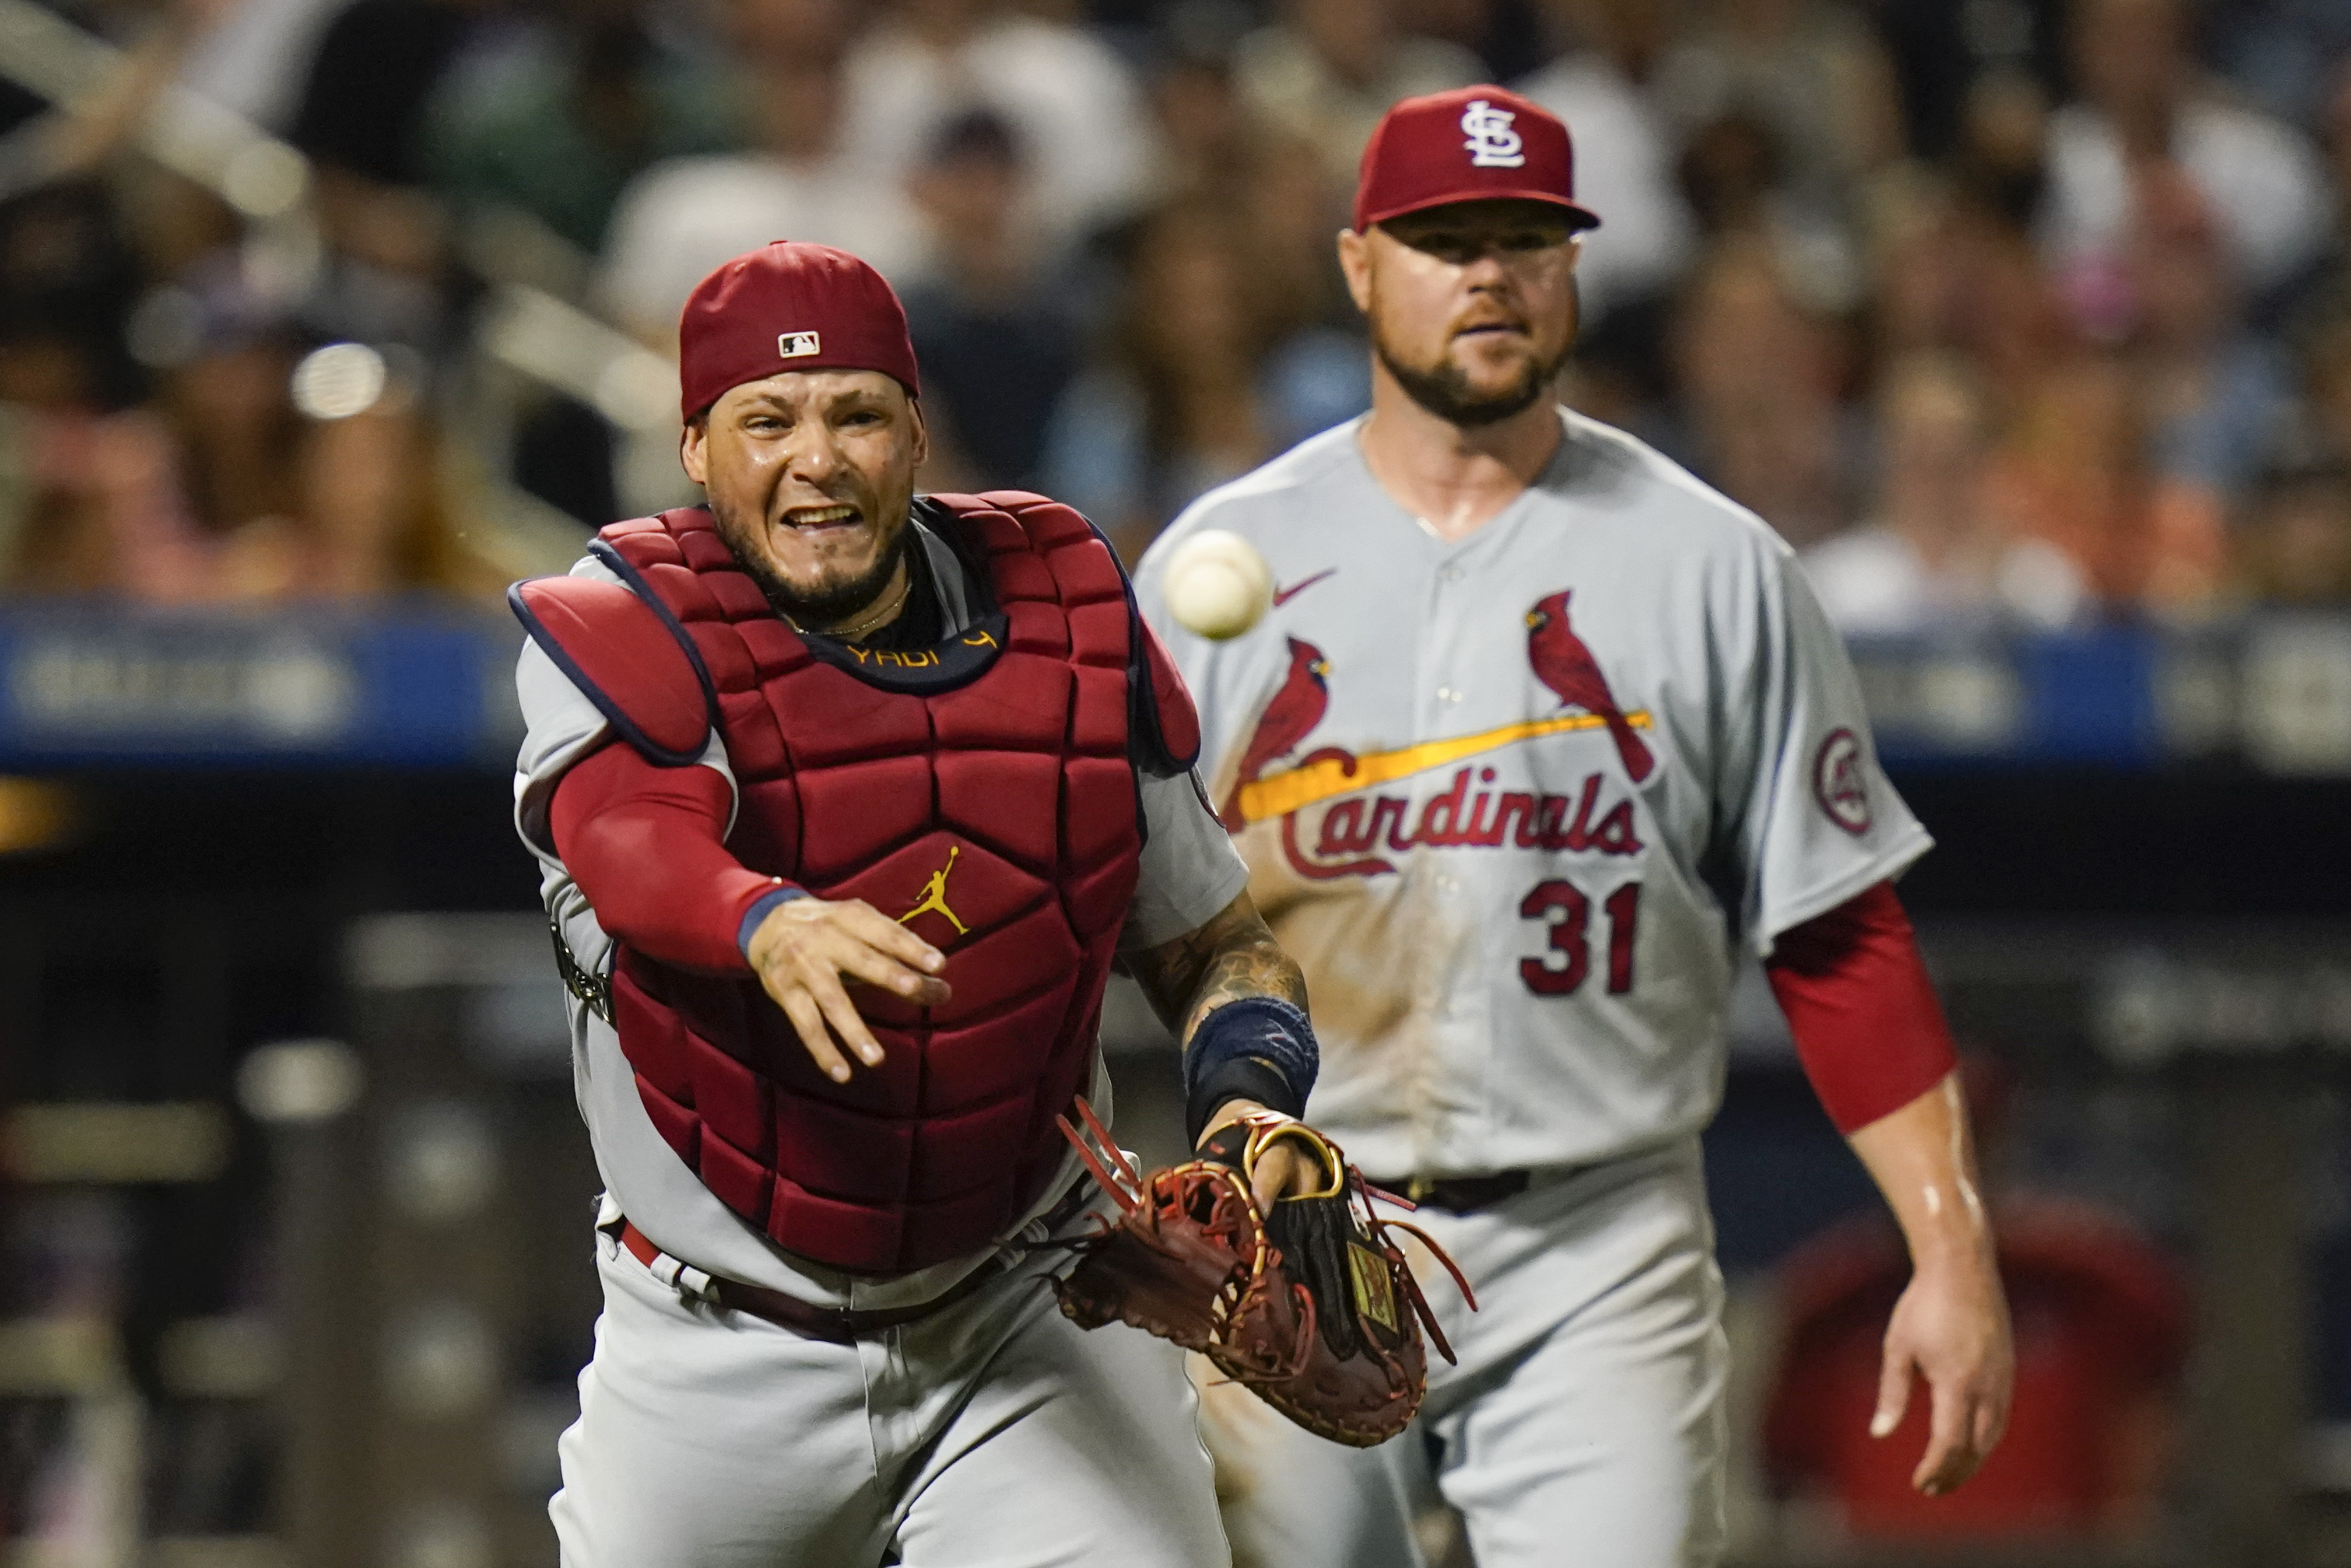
(833, 1325)
(1459, 1195)
(841, 1325)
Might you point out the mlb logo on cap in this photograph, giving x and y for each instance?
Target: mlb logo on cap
(1472, 144)
(726, 333)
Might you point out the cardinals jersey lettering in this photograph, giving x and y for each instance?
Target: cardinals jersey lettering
(1517, 803)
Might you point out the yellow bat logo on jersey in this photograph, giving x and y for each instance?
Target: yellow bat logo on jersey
(1329, 774)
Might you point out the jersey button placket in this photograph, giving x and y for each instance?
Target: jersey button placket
(1439, 997)
(1456, 1056)
(1466, 602)
(1435, 703)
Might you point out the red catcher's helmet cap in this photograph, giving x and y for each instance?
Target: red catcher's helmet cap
(1472, 144)
(789, 306)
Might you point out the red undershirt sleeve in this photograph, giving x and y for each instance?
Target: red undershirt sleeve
(1857, 994)
(647, 845)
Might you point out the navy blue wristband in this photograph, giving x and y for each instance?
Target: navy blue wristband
(1266, 1029)
(761, 908)
(1242, 1078)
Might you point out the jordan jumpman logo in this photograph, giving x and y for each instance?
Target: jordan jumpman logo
(933, 896)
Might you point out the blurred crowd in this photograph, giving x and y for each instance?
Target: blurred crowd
(2011, 312)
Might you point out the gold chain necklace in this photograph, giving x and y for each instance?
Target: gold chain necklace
(850, 633)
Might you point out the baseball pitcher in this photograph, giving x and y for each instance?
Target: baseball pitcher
(1540, 734)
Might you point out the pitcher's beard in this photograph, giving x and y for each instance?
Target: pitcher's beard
(831, 605)
(1445, 390)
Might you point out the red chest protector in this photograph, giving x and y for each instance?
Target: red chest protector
(984, 791)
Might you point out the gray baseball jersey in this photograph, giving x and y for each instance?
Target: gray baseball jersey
(1189, 872)
(1515, 801)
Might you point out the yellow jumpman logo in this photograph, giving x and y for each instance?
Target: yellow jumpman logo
(934, 895)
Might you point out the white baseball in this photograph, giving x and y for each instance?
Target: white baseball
(1217, 584)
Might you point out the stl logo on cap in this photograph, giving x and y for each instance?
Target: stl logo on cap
(1491, 144)
(1516, 150)
(798, 345)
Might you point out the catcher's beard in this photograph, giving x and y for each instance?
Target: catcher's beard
(831, 603)
(1444, 389)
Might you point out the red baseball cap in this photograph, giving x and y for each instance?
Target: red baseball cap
(1472, 144)
(790, 306)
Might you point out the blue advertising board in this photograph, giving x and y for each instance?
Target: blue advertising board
(421, 683)
(413, 684)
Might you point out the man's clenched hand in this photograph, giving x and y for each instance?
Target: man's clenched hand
(805, 950)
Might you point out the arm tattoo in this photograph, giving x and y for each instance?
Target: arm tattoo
(1230, 957)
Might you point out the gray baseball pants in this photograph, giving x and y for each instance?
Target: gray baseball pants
(993, 1434)
(1584, 1423)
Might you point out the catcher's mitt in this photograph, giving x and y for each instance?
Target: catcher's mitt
(1313, 1308)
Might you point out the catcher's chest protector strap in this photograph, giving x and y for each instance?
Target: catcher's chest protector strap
(982, 793)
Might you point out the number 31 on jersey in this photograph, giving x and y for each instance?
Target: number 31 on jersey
(1560, 969)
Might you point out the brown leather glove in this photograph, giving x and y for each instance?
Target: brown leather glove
(1314, 1308)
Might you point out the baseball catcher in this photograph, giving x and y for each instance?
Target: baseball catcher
(848, 801)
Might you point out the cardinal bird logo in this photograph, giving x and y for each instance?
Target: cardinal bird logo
(1564, 664)
(1289, 718)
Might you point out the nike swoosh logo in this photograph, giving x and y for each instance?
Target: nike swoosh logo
(1284, 595)
(1318, 781)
